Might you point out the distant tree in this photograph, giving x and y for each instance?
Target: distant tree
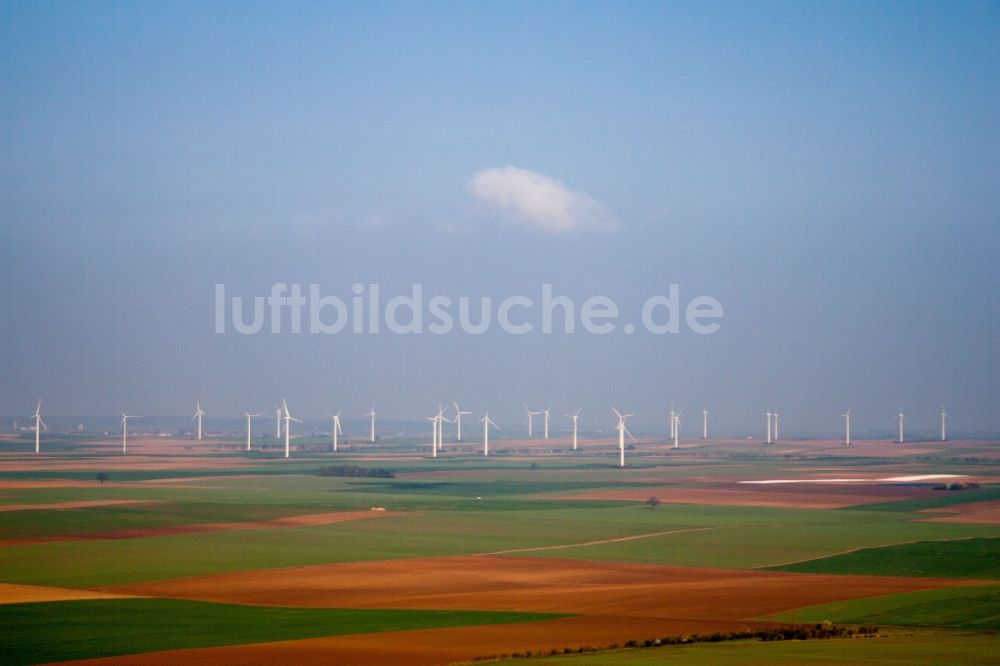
(653, 502)
(102, 477)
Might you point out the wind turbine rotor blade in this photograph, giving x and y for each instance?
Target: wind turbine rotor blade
(617, 412)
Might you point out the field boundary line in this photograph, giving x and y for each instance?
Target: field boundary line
(601, 541)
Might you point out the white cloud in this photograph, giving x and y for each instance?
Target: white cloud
(537, 202)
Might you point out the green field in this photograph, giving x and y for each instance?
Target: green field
(970, 558)
(63, 630)
(975, 607)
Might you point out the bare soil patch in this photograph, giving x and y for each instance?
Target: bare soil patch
(980, 513)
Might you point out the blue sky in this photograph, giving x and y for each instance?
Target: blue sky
(828, 172)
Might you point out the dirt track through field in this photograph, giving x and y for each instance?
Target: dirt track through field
(71, 505)
(602, 541)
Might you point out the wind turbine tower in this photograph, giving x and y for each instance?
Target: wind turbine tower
(622, 429)
(900, 417)
(546, 412)
(704, 424)
(197, 417)
(249, 418)
(776, 426)
(38, 426)
(288, 419)
(677, 429)
(336, 429)
(487, 422)
(434, 436)
(125, 418)
(531, 414)
(372, 434)
(768, 413)
(574, 417)
(944, 429)
(438, 420)
(847, 428)
(458, 422)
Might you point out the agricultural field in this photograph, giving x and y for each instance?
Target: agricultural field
(209, 554)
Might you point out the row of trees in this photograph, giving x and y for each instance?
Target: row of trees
(786, 633)
(355, 471)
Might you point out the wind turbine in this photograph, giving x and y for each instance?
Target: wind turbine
(622, 429)
(704, 424)
(277, 423)
(249, 418)
(125, 418)
(574, 417)
(768, 414)
(673, 423)
(847, 428)
(530, 415)
(336, 429)
(546, 412)
(900, 417)
(197, 416)
(487, 422)
(677, 429)
(438, 420)
(458, 422)
(288, 418)
(776, 426)
(38, 426)
(944, 430)
(372, 415)
(434, 440)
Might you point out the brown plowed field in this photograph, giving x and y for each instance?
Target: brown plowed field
(534, 584)
(139, 533)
